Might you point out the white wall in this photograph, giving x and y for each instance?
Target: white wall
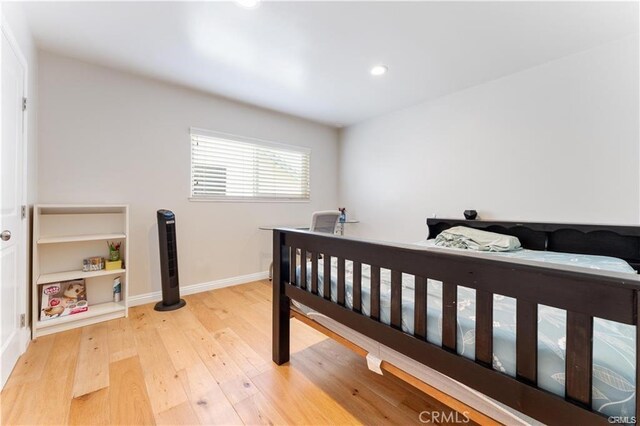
(558, 142)
(111, 137)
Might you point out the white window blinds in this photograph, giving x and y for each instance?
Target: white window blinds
(231, 167)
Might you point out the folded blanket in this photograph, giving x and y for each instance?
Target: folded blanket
(473, 239)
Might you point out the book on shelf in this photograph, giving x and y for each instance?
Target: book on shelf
(63, 298)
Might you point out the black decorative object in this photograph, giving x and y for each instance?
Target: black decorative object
(168, 262)
(470, 214)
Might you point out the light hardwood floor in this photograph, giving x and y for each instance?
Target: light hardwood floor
(208, 363)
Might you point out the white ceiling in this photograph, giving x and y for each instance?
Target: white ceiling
(312, 59)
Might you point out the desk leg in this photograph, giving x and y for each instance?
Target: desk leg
(271, 272)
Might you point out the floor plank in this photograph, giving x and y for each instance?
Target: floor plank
(140, 318)
(13, 410)
(258, 410)
(59, 373)
(232, 380)
(92, 371)
(181, 414)
(353, 393)
(306, 338)
(216, 304)
(208, 400)
(205, 314)
(299, 399)
(247, 359)
(128, 399)
(213, 408)
(162, 380)
(339, 358)
(91, 409)
(122, 343)
(178, 347)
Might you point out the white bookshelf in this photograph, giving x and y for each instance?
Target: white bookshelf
(64, 235)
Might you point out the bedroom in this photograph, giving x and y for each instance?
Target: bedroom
(523, 111)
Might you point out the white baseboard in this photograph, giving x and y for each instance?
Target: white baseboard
(25, 338)
(156, 296)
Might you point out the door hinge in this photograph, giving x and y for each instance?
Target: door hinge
(24, 104)
(23, 320)
(23, 212)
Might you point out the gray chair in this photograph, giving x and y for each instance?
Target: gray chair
(325, 221)
(322, 221)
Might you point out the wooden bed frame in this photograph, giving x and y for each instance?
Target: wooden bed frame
(583, 294)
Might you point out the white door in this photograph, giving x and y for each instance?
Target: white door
(12, 244)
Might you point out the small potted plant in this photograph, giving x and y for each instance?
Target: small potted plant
(114, 250)
(114, 261)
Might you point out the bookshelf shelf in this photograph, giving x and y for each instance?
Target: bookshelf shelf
(79, 238)
(76, 275)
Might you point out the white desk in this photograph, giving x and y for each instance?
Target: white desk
(339, 229)
(272, 227)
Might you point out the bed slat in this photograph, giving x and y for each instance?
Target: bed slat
(341, 283)
(357, 287)
(326, 277)
(303, 269)
(527, 341)
(375, 292)
(314, 273)
(292, 264)
(396, 299)
(449, 315)
(484, 327)
(579, 358)
(420, 308)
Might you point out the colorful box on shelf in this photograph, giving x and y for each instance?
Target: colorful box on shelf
(95, 263)
(62, 299)
(113, 264)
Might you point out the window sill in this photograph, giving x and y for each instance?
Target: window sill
(246, 200)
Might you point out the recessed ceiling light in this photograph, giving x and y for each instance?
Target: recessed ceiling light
(379, 70)
(248, 4)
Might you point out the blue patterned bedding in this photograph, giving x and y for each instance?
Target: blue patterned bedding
(614, 343)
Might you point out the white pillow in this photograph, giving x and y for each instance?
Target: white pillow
(475, 239)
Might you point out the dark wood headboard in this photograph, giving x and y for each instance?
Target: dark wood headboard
(605, 240)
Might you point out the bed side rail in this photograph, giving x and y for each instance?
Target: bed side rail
(583, 295)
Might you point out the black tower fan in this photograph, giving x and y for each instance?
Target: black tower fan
(168, 262)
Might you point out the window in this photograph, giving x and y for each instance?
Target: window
(227, 167)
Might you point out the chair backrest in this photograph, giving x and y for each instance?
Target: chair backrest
(325, 221)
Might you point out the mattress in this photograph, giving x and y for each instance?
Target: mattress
(613, 348)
